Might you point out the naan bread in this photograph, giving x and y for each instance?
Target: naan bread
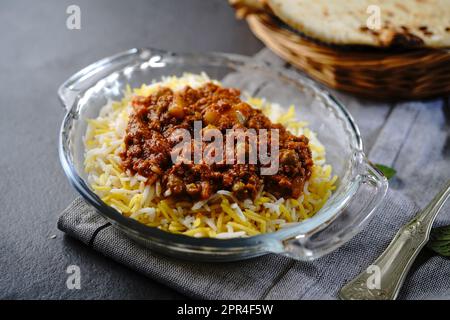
(404, 23)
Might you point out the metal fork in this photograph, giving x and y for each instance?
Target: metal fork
(395, 262)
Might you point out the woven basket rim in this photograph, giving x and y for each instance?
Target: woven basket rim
(408, 74)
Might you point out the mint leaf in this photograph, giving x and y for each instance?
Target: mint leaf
(440, 241)
(388, 172)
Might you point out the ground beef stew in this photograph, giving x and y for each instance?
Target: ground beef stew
(149, 141)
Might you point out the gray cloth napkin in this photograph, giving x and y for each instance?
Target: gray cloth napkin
(412, 137)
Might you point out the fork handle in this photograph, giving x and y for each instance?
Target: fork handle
(384, 278)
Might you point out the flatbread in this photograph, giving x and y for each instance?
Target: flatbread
(404, 23)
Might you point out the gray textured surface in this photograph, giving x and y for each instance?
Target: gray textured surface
(37, 54)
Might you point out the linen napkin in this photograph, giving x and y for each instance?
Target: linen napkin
(412, 137)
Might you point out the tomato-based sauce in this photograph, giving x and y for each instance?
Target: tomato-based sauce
(150, 139)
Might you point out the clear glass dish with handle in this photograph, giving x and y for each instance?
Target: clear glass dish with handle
(360, 186)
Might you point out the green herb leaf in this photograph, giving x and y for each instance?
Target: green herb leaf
(440, 241)
(387, 171)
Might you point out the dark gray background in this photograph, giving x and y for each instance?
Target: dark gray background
(37, 53)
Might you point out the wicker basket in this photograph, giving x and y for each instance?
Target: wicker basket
(371, 73)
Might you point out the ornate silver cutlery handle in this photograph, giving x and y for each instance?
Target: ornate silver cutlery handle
(384, 278)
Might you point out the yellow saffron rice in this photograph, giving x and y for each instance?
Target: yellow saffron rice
(222, 215)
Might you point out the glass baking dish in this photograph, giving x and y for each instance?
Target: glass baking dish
(360, 188)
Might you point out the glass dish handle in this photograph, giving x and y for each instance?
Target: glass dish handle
(372, 188)
(90, 75)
